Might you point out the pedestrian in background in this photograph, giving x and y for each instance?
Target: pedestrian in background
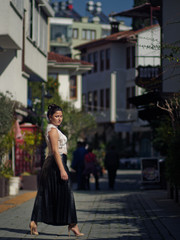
(90, 167)
(54, 203)
(78, 164)
(111, 163)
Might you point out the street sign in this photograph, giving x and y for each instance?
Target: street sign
(150, 170)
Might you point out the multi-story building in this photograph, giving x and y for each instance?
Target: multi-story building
(68, 29)
(110, 84)
(23, 45)
(105, 87)
(68, 72)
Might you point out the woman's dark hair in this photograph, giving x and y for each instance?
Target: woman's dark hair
(52, 108)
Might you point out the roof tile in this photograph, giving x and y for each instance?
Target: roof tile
(52, 56)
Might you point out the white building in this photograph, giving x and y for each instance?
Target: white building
(110, 84)
(69, 72)
(68, 29)
(111, 81)
(23, 45)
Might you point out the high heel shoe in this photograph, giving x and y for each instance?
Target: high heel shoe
(75, 231)
(33, 228)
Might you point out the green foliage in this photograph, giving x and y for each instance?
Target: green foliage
(167, 138)
(162, 135)
(6, 170)
(173, 160)
(31, 142)
(6, 143)
(6, 113)
(76, 124)
(6, 122)
(100, 154)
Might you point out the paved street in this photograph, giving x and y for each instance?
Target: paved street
(127, 213)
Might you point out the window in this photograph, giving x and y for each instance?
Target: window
(83, 58)
(102, 60)
(133, 95)
(89, 60)
(107, 58)
(130, 92)
(54, 76)
(95, 100)
(43, 32)
(127, 138)
(133, 56)
(31, 19)
(88, 34)
(95, 61)
(89, 101)
(60, 33)
(18, 4)
(73, 87)
(84, 101)
(127, 96)
(107, 98)
(130, 57)
(83, 34)
(102, 99)
(75, 33)
(93, 34)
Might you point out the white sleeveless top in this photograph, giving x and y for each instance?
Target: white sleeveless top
(61, 141)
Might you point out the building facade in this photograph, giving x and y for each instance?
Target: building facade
(112, 82)
(68, 29)
(68, 72)
(23, 45)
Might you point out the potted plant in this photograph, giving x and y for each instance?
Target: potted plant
(32, 140)
(5, 174)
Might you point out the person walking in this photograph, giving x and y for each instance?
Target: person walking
(91, 167)
(111, 163)
(78, 164)
(54, 203)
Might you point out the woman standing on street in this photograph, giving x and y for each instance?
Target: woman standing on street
(54, 203)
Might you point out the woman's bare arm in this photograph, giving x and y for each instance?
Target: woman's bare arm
(53, 137)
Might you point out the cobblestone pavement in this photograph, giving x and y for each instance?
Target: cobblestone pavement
(127, 213)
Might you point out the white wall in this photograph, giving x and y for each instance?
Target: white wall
(35, 60)
(10, 27)
(11, 78)
(102, 80)
(64, 88)
(148, 50)
(148, 47)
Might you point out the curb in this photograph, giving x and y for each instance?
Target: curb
(13, 202)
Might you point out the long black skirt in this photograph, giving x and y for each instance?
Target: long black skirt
(54, 203)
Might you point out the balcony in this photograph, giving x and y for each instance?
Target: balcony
(126, 115)
(61, 35)
(11, 26)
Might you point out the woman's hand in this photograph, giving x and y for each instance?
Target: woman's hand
(64, 175)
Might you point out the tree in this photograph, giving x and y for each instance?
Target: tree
(6, 122)
(6, 113)
(76, 124)
(172, 106)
